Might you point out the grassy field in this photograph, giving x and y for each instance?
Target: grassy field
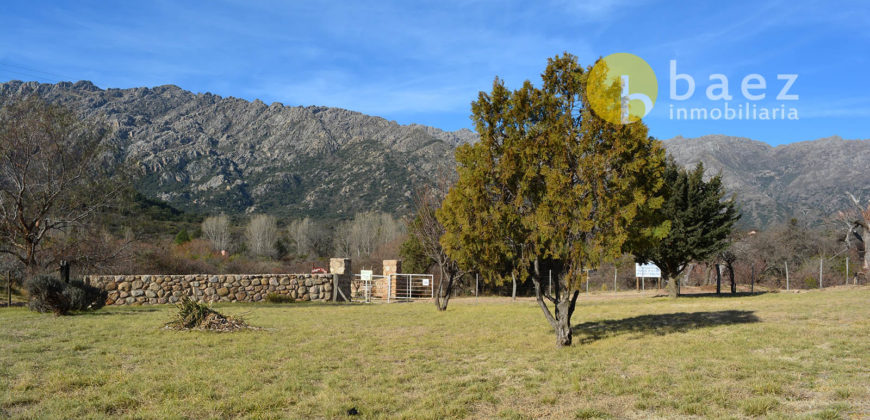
(779, 355)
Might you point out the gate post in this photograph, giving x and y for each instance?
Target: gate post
(343, 275)
(392, 267)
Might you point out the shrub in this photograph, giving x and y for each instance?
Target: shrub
(83, 297)
(182, 237)
(47, 295)
(276, 298)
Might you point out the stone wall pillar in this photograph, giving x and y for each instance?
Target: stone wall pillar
(343, 268)
(392, 267)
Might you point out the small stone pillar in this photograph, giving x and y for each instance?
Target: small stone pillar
(392, 267)
(342, 267)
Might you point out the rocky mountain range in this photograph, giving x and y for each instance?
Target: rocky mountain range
(205, 153)
(806, 180)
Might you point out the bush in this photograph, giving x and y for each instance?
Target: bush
(276, 298)
(83, 297)
(182, 237)
(47, 295)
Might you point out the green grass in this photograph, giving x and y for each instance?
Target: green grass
(780, 355)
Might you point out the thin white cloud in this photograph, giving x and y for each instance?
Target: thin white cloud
(595, 10)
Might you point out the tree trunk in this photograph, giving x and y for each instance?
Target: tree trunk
(863, 250)
(718, 280)
(674, 286)
(731, 276)
(442, 297)
(514, 292)
(564, 308)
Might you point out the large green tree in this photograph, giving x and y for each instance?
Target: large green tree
(550, 186)
(701, 222)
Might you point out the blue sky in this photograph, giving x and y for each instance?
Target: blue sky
(424, 62)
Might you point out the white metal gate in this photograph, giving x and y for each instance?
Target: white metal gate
(409, 287)
(393, 288)
(369, 288)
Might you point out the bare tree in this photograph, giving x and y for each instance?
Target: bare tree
(344, 242)
(262, 232)
(91, 248)
(53, 176)
(309, 237)
(368, 231)
(428, 231)
(217, 230)
(857, 220)
(729, 257)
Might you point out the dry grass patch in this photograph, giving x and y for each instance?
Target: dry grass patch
(776, 355)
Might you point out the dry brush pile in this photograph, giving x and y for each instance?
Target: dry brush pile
(199, 316)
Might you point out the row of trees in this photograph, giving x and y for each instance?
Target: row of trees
(361, 236)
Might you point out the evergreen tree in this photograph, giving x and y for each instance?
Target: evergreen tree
(701, 222)
(550, 186)
(182, 237)
(414, 258)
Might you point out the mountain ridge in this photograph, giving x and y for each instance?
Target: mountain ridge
(206, 153)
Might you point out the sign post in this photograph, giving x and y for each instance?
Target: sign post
(644, 271)
(366, 277)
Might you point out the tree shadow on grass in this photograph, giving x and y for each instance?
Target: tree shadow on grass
(713, 294)
(660, 324)
(114, 311)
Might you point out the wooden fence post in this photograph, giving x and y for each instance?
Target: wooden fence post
(752, 286)
(847, 270)
(614, 279)
(821, 285)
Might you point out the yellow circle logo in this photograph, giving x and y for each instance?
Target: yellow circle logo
(622, 88)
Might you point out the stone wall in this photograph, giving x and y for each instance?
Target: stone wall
(156, 289)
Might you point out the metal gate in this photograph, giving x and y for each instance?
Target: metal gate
(393, 288)
(408, 287)
(369, 288)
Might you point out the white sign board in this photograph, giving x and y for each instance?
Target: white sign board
(647, 270)
(425, 282)
(365, 275)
